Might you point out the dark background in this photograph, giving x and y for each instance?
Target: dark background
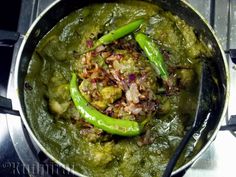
(9, 14)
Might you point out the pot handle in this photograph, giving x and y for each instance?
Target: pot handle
(232, 54)
(231, 123)
(8, 38)
(6, 106)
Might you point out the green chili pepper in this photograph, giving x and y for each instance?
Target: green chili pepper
(93, 116)
(117, 34)
(153, 53)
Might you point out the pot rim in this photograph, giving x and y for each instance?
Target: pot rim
(226, 88)
(17, 102)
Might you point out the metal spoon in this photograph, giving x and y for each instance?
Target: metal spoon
(203, 111)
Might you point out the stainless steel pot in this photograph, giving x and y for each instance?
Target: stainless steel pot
(60, 8)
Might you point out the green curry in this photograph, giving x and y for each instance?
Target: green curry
(119, 81)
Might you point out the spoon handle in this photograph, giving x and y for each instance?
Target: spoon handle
(178, 151)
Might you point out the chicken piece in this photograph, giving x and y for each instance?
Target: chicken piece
(100, 155)
(110, 94)
(58, 108)
(186, 77)
(59, 99)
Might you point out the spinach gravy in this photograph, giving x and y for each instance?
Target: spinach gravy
(118, 80)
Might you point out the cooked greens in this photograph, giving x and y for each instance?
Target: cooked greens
(117, 80)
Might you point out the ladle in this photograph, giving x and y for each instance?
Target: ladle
(206, 87)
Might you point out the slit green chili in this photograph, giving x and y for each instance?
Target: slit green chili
(153, 53)
(117, 33)
(99, 120)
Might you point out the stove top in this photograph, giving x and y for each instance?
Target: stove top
(20, 157)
